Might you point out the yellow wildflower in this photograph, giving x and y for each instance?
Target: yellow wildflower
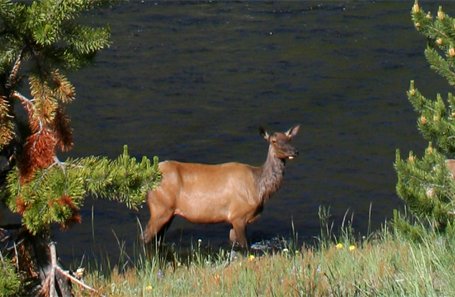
(352, 248)
(339, 246)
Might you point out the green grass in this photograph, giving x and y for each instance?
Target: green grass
(382, 265)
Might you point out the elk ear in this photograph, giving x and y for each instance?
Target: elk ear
(293, 131)
(263, 133)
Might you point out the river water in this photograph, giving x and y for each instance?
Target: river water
(192, 81)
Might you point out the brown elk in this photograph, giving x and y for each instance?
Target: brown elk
(233, 193)
(450, 163)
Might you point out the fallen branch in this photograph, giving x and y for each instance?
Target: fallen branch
(38, 257)
(77, 281)
(52, 290)
(52, 287)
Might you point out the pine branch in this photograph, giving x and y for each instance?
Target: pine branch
(6, 124)
(12, 78)
(11, 13)
(427, 186)
(47, 16)
(62, 89)
(436, 121)
(63, 130)
(440, 65)
(56, 193)
(44, 100)
(87, 40)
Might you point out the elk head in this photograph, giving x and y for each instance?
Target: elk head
(280, 143)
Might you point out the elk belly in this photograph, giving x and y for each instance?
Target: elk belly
(202, 213)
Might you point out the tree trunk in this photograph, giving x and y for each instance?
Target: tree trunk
(36, 259)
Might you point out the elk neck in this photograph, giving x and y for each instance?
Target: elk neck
(270, 175)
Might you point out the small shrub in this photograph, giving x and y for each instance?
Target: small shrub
(9, 280)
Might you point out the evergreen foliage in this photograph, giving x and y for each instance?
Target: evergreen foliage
(39, 41)
(56, 193)
(9, 280)
(426, 184)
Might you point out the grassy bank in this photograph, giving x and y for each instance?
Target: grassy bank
(387, 265)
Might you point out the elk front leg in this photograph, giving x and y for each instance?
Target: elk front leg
(238, 234)
(160, 218)
(156, 227)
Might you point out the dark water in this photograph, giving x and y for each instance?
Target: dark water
(192, 81)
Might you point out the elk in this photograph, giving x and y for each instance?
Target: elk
(450, 163)
(232, 193)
